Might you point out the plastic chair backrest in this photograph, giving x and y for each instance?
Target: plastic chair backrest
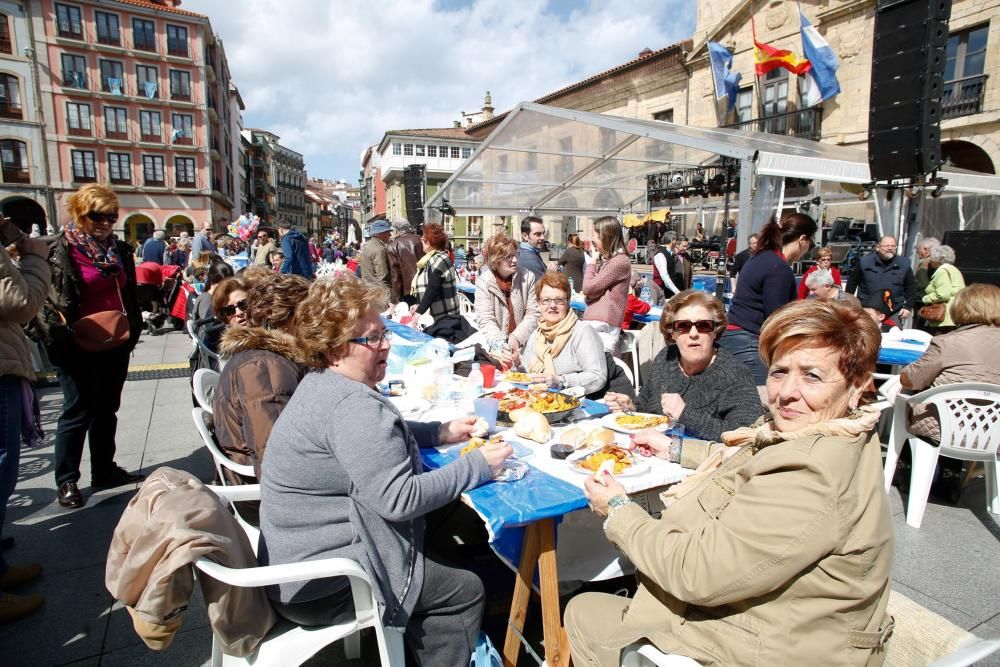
(628, 371)
(204, 384)
(969, 415)
(465, 306)
(218, 456)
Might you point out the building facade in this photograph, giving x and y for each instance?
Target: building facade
(372, 187)
(277, 180)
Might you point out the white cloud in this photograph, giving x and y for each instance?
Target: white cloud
(331, 78)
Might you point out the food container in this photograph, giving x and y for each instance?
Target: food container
(513, 470)
(397, 387)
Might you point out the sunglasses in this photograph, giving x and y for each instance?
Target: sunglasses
(684, 326)
(98, 217)
(230, 310)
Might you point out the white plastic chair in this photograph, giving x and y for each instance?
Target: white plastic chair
(969, 432)
(465, 305)
(204, 348)
(290, 644)
(204, 384)
(647, 655)
(630, 345)
(628, 372)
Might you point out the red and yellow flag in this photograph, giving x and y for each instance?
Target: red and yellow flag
(767, 58)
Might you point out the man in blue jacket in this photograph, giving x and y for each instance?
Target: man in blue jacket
(296, 250)
(155, 247)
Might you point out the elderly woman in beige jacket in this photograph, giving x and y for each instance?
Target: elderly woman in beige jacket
(506, 305)
(778, 549)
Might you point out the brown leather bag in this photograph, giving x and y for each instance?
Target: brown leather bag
(934, 312)
(102, 331)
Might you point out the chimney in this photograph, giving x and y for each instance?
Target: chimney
(456, 123)
(645, 52)
(487, 106)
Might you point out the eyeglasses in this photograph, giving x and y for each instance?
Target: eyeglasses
(511, 259)
(373, 340)
(99, 217)
(684, 326)
(553, 302)
(825, 259)
(230, 310)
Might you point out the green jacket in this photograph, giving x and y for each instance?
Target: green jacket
(946, 282)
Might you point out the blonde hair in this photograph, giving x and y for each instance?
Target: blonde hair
(847, 330)
(692, 297)
(91, 197)
(273, 298)
(497, 248)
(977, 303)
(825, 251)
(325, 320)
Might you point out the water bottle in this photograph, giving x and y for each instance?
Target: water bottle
(474, 385)
(571, 290)
(644, 293)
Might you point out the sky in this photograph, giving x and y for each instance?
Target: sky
(330, 78)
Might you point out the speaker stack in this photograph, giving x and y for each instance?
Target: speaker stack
(413, 184)
(908, 62)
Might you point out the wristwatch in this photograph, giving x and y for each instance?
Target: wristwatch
(614, 503)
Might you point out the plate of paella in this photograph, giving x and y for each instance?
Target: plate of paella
(633, 422)
(621, 461)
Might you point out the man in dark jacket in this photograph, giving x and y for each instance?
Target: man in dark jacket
(155, 247)
(885, 270)
(296, 250)
(404, 251)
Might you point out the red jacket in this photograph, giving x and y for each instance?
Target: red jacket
(804, 291)
(634, 306)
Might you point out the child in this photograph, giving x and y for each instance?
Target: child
(635, 305)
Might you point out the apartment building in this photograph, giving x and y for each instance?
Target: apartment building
(136, 94)
(277, 179)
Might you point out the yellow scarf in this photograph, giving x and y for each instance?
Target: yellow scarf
(421, 264)
(550, 339)
(762, 434)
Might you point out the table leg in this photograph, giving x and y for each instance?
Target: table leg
(556, 640)
(522, 595)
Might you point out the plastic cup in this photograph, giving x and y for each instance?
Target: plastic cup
(489, 372)
(487, 408)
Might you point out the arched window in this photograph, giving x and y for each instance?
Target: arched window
(10, 96)
(14, 158)
(6, 46)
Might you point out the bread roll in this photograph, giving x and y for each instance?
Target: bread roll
(600, 437)
(532, 425)
(573, 435)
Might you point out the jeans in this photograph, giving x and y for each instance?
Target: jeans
(10, 449)
(744, 345)
(92, 385)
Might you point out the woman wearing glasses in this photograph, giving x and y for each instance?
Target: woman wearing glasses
(506, 305)
(343, 478)
(563, 352)
(92, 273)
(692, 380)
(824, 260)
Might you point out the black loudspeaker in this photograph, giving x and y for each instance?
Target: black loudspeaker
(413, 185)
(908, 61)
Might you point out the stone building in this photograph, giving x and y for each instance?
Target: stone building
(277, 180)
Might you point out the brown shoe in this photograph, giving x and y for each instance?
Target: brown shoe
(69, 495)
(13, 607)
(19, 575)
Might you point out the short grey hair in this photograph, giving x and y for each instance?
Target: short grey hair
(943, 254)
(669, 237)
(820, 278)
(159, 235)
(929, 242)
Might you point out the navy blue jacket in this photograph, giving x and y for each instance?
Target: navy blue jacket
(873, 274)
(766, 283)
(153, 250)
(529, 258)
(297, 259)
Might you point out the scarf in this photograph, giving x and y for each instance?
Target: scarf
(101, 253)
(505, 288)
(763, 434)
(550, 339)
(421, 265)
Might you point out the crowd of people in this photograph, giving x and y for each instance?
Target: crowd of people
(735, 561)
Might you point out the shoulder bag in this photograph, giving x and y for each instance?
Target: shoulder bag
(104, 330)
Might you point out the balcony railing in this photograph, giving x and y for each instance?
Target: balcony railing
(16, 175)
(109, 38)
(121, 180)
(115, 134)
(963, 97)
(10, 109)
(155, 182)
(152, 138)
(804, 123)
(80, 131)
(175, 48)
(83, 178)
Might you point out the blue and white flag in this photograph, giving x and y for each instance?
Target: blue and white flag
(823, 73)
(150, 87)
(115, 85)
(727, 82)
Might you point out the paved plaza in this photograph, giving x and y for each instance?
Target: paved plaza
(949, 565)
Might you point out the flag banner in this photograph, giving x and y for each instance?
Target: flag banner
(115, 85)
(150, 88)
(727, 82)
(822, 58)
(767, 58)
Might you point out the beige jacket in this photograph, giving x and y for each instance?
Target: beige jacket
(781, 558)
(374, 262)
(172, 522)
(22, 292)
(491, 308)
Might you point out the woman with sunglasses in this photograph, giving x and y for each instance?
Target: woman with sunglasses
(92, 272)
(692, 380)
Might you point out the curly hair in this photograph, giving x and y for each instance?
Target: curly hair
(435, 236)
(324, 321)
(692, 297)
(222, 291)
(554, 279)
(497, 249)
(273, 298)
(837, 325)
(91, 197)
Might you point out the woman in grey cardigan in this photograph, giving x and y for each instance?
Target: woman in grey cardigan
(343, 478)
(692, 380)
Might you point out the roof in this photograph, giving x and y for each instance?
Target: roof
(450, 133)
(642, 59)
(147, 4)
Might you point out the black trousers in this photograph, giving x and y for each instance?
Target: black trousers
(92, 385)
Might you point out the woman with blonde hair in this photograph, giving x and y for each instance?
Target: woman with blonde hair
(606, 280)
(824, 260)
(506, 305)
(93, 278)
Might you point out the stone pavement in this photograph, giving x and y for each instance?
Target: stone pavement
(946, 565)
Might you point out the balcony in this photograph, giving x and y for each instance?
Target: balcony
(963, 97)
(181, 95)
(16, 175)
(109, 38)
(80, 131)
(10, 109)
(185, 183)
(70, 29)
(804, 124)
(84, 178)
(177, 48)
(152, 138)
(121, 180)
(144, 44)
(115, 134)
(155, 182)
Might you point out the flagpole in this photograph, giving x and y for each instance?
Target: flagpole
(756, 78)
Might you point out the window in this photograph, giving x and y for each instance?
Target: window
(432, 151)
(14, 157)
(397, 149)
(180, 85)
(147, 79)
(84, 170)
(68, 22)
(112, 76)
(407, 149)
(177, 40)
(116, 123)
(10, 96)
(744, 105)
(108, 28)
(149, 125)
(466, 152)
(442, 151)
(775, 102)
(5, 44)
(667, 115)
(964, 86)
(420, 150)
(143, 35)
(183, 132)
(120, 168)
(152, 169)
(74, 70)
(184, 172)
(455, 152)
(78, 119)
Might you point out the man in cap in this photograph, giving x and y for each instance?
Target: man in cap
(374, 260)
(404, 251)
